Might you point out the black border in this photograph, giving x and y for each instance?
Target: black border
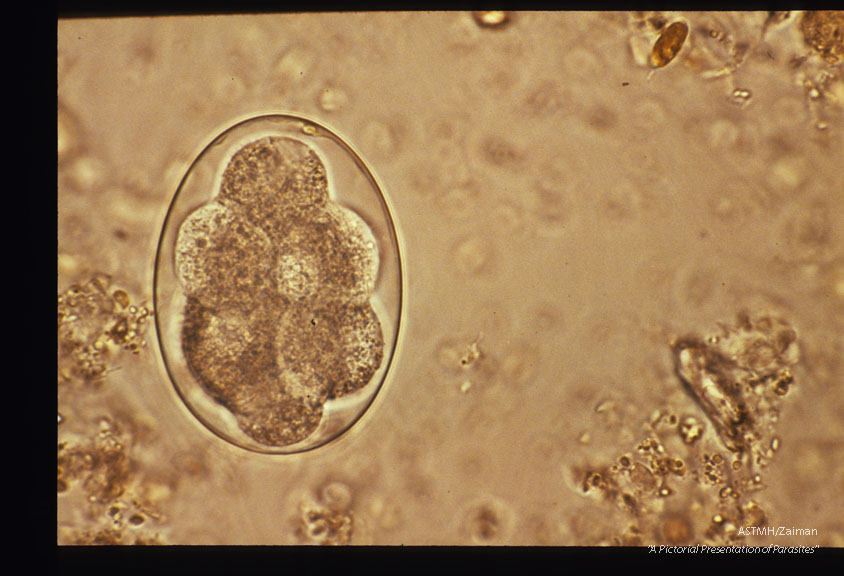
(41, 53)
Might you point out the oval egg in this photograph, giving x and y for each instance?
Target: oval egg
(669, 44)
(278, 285)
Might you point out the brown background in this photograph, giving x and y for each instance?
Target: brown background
(563, 206)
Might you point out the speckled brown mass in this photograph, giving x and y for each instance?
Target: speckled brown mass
(278, 278)
(526, 265)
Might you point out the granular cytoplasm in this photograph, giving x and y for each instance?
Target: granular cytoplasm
(278, 283)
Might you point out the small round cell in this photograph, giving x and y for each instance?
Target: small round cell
(278, 285)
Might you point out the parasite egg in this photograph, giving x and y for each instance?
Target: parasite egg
(278, 285)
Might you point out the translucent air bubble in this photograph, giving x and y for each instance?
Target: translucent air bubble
(278, 285)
